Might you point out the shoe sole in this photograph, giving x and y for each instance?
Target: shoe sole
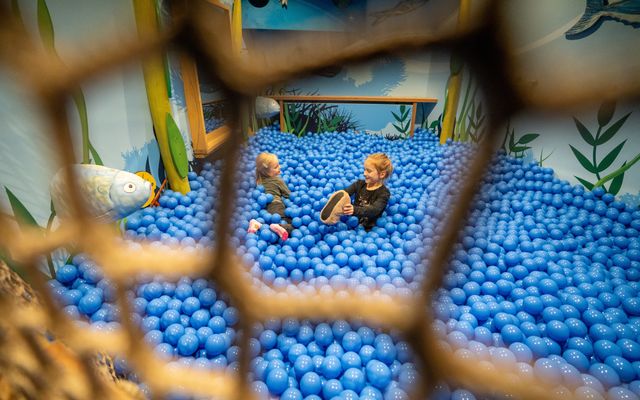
(331, 204)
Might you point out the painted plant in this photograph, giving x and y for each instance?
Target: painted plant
(518, 147)
(594, 163)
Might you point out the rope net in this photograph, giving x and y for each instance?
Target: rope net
(34, 367)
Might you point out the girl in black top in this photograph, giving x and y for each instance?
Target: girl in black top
(371, 195)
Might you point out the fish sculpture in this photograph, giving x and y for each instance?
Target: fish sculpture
(597, 11)
(266, 107)
(401, 8)
(108, 194)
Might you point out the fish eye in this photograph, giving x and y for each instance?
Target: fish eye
(129, 187)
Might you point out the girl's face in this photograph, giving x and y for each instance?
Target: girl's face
(371, 174)
(274, 169)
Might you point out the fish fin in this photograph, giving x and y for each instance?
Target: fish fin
(591, 16)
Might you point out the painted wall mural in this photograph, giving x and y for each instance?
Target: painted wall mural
(109, 118)
(598, 11)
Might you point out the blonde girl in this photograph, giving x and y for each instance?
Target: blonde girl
(268, 175)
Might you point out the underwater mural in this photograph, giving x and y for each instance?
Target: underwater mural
(317, 15)
(598, 11)
(401, 8)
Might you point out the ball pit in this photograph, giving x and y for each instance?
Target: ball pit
(544, 278)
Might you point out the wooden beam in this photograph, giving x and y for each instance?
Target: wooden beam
(354, 99)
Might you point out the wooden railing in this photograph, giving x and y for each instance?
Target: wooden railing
(413, 101)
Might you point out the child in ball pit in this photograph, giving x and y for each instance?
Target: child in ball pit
(371, 195)
(268, 175)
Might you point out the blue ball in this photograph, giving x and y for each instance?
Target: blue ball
(378, 374)
(310, 384)
(353, 379)
(511, 334)
(188, 344)
(351, 341)
(216, 344)
(332, 388)
(90, 303)
(331, 367)
(558, 331)
(277, 381)
(622, 367)
(605, 374)
(67, 274)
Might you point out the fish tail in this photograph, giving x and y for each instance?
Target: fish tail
(592, 14)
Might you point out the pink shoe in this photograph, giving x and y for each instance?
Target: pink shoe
(254, 226)
(280, 231)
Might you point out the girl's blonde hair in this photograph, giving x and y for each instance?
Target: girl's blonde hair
(264, 162)
(382, 163)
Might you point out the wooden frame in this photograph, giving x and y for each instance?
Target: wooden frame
(413, 101)
(203, 142)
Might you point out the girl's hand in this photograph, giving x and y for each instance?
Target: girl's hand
(347, 209)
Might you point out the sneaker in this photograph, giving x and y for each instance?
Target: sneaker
(332, 211)
(280, 231)
(254, 226)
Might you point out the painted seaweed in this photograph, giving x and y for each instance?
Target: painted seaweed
(403, 120)
(25, 220)
(303, 118)
(596, 165)
(47, 35)
(517, 147)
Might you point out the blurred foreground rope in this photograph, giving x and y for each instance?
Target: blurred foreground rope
(32, 366)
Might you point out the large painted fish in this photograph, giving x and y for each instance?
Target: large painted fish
(401, 8)
(625, 11)
(266, 107)
(109, 194)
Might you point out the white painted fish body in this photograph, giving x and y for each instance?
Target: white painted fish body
(109, 194)
(266, 107)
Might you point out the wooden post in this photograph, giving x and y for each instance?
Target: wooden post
(281, 115)
(455, 80)
(413, 117)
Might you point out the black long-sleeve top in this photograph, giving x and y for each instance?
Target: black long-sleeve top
(368, 204)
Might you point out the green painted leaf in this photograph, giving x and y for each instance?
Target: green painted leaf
(511, 141)
(584, 161)
(612, 130)
(434, 124)
(20, 212)
(519, 149)
(527, 138)
(456, 63)
(584, 132)
(616, 184)
(610, 158)
(399, 129)
(177, 147)
(605, 112)
(403, 107)
(81, 106)
(396, 116)
(479, 111)
(96, 158)
(45, 25)
(585, 183)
